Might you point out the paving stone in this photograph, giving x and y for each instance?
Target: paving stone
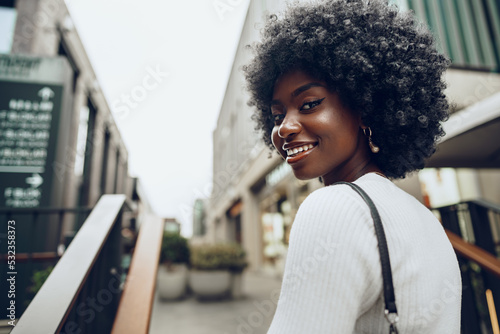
(251, 314)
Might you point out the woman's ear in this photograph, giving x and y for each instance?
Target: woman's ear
(360, 122)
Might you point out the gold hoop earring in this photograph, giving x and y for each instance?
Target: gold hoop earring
(374, 148)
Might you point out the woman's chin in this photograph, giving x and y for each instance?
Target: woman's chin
(300, 175)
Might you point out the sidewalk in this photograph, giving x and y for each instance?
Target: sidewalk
(251, 314)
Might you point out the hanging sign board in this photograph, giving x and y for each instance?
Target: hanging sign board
(32, 101)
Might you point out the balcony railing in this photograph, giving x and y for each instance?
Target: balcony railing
(473, 230)
(39, 242)
(85, 291)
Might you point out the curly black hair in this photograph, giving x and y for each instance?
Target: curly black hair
(383, 63)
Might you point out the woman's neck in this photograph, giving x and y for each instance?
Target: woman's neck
(353, 174)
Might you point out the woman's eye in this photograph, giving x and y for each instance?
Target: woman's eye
(312, 104)
(278, 118)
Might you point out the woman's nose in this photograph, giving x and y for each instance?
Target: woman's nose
(289, 126)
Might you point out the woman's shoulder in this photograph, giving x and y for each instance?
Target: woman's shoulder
(340, 203)
(330, 205)
(340, 194)
(337, 195)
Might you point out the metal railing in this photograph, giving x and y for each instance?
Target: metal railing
(473, 253)
(85, 291)
(82, 292)
(473, 229)
(39, 242)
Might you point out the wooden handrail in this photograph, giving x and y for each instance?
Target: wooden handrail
(51, 305)
(474, 253)
(136, 304)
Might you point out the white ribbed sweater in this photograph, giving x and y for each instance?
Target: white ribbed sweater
(333, 281)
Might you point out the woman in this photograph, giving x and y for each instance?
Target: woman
(351, 90)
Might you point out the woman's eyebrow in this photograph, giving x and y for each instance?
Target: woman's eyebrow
(306, 87)
(299, 90)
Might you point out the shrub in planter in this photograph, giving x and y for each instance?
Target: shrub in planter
(173, 272)
(237, 264)
(212, 267)
(238, 261)
(174, 249)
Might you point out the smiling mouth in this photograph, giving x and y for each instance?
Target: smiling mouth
(297, 150)
(296, 154)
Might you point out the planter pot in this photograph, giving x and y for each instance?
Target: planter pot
(172, 282)
(210, 284)
(237, 284)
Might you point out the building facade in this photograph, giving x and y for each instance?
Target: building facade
(94, 159)
(68, 164)
(255, 195)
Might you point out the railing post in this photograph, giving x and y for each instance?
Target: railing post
(449, 219)
(481, 226)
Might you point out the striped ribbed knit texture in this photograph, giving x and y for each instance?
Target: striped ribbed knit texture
(333, 281)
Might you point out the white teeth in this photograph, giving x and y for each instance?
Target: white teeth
(296, 150)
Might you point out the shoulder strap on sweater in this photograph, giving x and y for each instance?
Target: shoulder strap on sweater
(391, 312)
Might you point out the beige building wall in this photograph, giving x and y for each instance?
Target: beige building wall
(489, 182)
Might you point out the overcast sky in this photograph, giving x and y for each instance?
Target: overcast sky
(163, 67)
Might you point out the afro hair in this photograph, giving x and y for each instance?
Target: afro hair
(383, 64)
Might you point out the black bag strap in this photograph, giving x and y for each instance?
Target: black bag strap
(391, 312)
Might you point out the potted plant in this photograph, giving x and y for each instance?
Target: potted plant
(210, 276)
(173, 271)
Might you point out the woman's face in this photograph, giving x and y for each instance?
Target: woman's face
(313, 131)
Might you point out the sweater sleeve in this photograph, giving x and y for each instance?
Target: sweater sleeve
(332, 273)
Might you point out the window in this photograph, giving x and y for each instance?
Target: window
(105, 158)
(117, 171)
(85, 151)
(64, 51)
(467, 31)
(7, 3)
(8, 16)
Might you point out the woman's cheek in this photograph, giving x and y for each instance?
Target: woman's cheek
(277, 141)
